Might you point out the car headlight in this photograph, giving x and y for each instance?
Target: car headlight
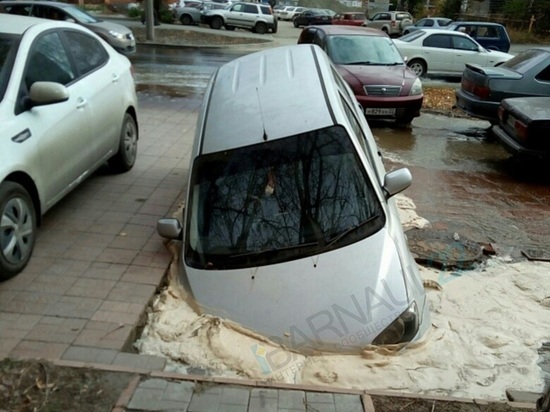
(402, 329)
(416, 87)
(116, 34)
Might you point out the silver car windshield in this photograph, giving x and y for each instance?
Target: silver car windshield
(80, 15)
(278, 201)
(363, 50)
(8, 49)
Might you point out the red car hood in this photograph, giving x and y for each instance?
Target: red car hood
(399, 75)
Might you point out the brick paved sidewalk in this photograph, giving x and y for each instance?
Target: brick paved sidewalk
(98, 259)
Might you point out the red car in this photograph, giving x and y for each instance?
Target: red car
(373, 67)
(349, 19)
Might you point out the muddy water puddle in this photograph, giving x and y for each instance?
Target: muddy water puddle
(465, 181)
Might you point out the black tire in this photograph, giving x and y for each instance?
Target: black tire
(216, 23)
(274, 29)
(260, 28)
(17, 229)
(296, 24)
(186, 19)
(127, 150)
(418, 67)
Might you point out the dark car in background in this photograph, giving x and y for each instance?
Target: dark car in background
(310, 17)
(118, 36)
(483, 88)
(492, 36)
(374, 69)
(524, 128)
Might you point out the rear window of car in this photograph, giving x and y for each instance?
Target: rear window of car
(412, 36)
(265, 9)
(443, 23)
(524, 61)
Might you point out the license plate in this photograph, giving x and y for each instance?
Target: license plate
(375, 111)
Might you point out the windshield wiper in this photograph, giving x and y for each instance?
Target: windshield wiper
(280, 249)
(345, 233)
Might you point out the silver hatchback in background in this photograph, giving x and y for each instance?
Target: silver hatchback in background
(118, 36)
(291, 228)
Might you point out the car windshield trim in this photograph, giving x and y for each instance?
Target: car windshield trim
(278, 201)
(9, 44)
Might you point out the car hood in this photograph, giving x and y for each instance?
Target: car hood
(106, 27)
(313, 303)
(380, 75)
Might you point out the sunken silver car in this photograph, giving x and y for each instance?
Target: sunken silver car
(290, 226)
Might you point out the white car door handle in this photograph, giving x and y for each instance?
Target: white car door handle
(81, 103)
(115, 78)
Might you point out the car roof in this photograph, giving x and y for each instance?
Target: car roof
(443, 31)
(40, 2)
(342, 30)
(474, 23)
(14, 24)
(253, 99)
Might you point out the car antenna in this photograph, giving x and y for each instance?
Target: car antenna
(261, 113)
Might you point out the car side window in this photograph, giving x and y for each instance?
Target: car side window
(544, 75)
(48, 61)
(21, 10)
(265, 10)
(428, 23)
(319, 39)
(250, 8)
(463, 43)
(89, 54)
(238, 7)
(438, 40)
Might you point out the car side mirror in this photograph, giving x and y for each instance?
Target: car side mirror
(44, 93)
(170, 228)
(397, 181)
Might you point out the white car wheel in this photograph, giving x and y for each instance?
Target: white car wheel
(17, 229)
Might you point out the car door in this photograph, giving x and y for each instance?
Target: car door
(60, 131)
(105, 105)
(467, 51)
(438, 52)
(242, 15)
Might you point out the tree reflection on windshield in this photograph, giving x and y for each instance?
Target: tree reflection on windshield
(278, 201)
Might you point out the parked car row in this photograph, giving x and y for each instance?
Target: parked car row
(514, 98)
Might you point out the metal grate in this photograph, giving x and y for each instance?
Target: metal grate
(382, 90)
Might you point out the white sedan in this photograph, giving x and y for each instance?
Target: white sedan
(444, 52)
(67, 105)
